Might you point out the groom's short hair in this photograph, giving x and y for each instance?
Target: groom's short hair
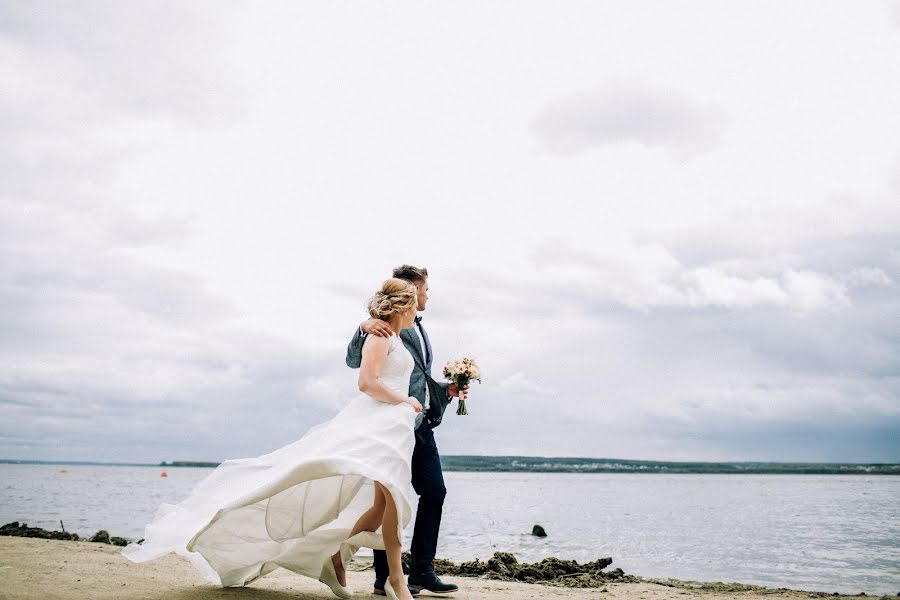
(411, 274)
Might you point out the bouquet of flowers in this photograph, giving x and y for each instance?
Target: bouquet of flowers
(461, 372)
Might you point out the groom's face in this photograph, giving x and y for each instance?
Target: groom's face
(422, 295)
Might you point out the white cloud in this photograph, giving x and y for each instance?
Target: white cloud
(646, 275)
(518, 384)
(624, 112)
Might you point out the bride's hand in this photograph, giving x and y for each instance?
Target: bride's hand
(417, 406)
(376, 327)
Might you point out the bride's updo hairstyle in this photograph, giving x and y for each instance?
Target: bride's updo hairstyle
(396, 296)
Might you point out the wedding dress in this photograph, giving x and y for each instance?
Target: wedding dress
(295, 507)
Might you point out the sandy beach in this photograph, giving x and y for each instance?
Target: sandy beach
(51, 569)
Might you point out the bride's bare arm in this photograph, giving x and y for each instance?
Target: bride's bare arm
(373, 356)
(377, 327)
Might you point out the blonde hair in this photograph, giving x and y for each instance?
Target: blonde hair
(396, 296)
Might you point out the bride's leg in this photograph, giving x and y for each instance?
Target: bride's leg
(371, 519)
(392, 546)
(368, 521)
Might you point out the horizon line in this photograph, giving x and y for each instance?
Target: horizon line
(494, 456)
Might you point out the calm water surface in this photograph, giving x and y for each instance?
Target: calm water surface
(823, 533)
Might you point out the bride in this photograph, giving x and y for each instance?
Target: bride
(310, 505)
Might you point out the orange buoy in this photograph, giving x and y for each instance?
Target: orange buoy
(163, 474)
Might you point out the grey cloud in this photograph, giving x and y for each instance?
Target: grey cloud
(248, 393)
(681, 384)
(163, 59)
(624, 112)
(653, 436)
(842, 428)
(681, 378)
(91, 85)
(793, 441)
(867, 276)
(67, 256)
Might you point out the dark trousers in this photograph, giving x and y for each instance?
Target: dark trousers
(428, 481)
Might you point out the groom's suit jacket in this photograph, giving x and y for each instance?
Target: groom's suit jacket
(421, 374)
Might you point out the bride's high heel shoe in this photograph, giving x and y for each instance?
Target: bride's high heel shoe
(389, 590)
(329, 578)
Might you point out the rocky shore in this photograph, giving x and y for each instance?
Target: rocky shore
(23, 530)
(503, 566)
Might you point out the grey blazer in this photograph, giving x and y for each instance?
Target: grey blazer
(421, 374)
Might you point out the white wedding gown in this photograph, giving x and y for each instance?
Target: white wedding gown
(295, 507)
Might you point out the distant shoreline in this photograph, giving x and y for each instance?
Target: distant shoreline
(540, 464)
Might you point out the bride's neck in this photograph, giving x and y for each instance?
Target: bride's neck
(395, 325)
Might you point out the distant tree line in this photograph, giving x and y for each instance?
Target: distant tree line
(536, 464)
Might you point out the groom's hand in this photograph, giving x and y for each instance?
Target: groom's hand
(453, 390)
(376, 327)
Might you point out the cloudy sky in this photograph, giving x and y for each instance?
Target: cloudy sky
(665, 230)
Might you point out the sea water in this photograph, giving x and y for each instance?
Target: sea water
(811, 532)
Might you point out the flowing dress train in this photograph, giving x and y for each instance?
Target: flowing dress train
(295, 507)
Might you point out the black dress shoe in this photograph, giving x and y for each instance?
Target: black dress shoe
(431, 582)
(379, 589)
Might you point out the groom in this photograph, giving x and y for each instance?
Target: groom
(427, 477)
